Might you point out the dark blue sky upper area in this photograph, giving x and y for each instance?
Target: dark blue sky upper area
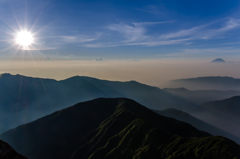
(130, 29)
(203, 8)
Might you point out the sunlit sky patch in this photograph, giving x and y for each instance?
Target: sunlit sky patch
(119, 29)
(24, 38)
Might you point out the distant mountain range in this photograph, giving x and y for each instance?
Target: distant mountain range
(206, 83)
(202, 96)
(224, 114)
(7, 152)
(28, 98)
(230, 106)
(197, 123)
(115, 129)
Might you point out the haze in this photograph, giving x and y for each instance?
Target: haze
(152, 72)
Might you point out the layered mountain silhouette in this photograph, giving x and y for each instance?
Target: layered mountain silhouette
(206, 83)
(224, 114)
(202, 96)
(115, 129)
(228, 106)
(7, 152)
(197, 123)
(28, 98)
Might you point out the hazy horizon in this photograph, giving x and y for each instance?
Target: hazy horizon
(151, 72)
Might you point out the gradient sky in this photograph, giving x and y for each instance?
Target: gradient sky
(121, 29)
(147, 41)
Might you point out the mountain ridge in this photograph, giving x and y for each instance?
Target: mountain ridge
(197, 123)
(110, 128)
(206, 83)
(29, 98)
(201, 96)
(221, 113)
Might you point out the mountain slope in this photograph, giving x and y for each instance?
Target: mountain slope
(29, 98)
(197, 123)
(206, 83)
(230, 106)
(201, 96)
(224, 114)
(7, 152)
(115, 128)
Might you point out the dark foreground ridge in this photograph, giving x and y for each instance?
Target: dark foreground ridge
(7, 152)
(115, 129)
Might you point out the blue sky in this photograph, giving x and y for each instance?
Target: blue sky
(119, 29)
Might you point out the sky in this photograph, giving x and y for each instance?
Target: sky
(91, 30)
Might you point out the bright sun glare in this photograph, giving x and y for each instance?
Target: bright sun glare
(24, 38)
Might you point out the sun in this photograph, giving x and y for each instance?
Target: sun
(24, 38)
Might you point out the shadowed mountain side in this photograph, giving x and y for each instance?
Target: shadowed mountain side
(230, 106)
(29, 98)
(200, 125)
(201, 96)
(224, 114)
(206, 83)
(143, 94)
(7, 152)
(115, 128)
(19, 92)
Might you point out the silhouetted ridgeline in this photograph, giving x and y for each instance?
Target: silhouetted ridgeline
(28, 98)
(206, 83)
(115, 129)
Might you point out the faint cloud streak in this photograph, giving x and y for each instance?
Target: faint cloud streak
(131, 33)
(160, 43)
(137, 34)
(149, 9)
(80, 38)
